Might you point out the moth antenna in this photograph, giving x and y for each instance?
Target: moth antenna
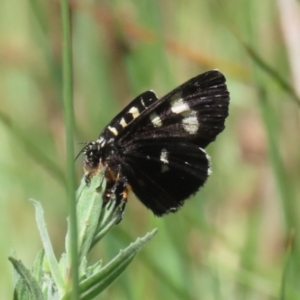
(85, 143)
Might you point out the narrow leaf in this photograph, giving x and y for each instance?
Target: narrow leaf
(110, 272)
(53, 265)
(110, 216)
(31, 283)
(88, 211)
(21, 291)
(96, 289)
(37, 270)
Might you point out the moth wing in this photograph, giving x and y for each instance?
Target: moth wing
(163, 174)
(195, 111)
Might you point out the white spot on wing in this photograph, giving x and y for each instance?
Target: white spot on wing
(190, 122)
(164, 156)
(123, 123)
(178, 106)
(156, 120)
(134, 111)
(209, 171)
(143, 103)
(113, 130)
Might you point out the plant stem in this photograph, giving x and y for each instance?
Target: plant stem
(69, 123)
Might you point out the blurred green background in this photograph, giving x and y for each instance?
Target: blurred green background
(239, 237)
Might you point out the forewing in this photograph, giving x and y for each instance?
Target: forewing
(128, 115)
(163, 174)
(195, 111)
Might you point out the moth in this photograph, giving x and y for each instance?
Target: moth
(156, 146)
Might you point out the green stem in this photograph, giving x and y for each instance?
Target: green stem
(69, 121)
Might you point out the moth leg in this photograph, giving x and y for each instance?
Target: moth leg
(108, 192)
(88, 178)
(117, 190)
(122, 202)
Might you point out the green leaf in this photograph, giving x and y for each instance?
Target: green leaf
(37, 270)
(83, 268)
(95, 268)
(16, 275)
(98, 282)
(111, 214)
(89, 204)
(53, 265)
(63, 264)
(32, 290)
(21, 291)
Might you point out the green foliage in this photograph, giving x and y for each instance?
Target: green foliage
(50, 279)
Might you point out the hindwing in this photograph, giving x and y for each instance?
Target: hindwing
(163, 174)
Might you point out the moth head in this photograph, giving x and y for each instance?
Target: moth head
(93, 153)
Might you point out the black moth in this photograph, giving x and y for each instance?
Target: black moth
(156, 146)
